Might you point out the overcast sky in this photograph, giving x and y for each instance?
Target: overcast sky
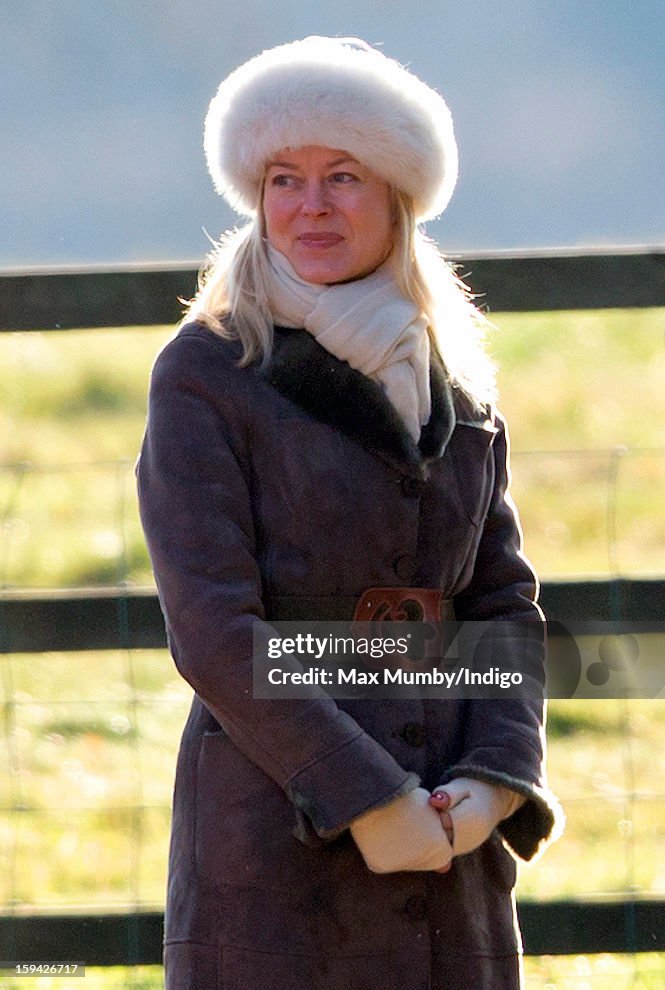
(559, 110)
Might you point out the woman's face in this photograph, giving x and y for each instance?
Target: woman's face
(327, 213)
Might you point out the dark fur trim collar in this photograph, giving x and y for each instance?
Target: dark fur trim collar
(335, 393)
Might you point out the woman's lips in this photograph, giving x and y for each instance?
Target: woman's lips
(319, 239)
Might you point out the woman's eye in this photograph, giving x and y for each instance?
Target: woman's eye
(287, 181)
(343, 177)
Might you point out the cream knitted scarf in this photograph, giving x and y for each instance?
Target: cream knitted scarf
(367, 323)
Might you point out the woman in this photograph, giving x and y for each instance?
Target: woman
(323, 425)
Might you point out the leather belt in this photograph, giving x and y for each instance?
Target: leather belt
(373, 605)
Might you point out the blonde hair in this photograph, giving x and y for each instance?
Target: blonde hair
(232, 299)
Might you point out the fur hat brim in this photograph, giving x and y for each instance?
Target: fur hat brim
(339, 93)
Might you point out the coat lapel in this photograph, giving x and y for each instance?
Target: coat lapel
(335, 393)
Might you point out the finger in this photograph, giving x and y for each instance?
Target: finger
(446, 821)
(457, 790)
(440, 802)
(448, 827)
(451, 799)
(445, 869)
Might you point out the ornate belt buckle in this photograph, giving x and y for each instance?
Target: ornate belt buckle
(399, 605)
(428, 642)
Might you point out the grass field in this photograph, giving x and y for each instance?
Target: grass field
(582, 392)
(602, 972)
(606, 972)
(89, 739)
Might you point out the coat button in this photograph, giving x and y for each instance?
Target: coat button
(405, 566)
(412, 487)
(414, 734)
(416, 908)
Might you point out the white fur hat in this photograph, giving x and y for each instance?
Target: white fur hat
(336, 92)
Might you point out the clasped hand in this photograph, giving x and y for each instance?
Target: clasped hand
(423, 831)
(470, 810)
(405, 834)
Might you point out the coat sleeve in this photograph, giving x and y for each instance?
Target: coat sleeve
(504, 740)
(194, 497)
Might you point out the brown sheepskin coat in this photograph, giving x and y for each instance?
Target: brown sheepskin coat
(260, 487)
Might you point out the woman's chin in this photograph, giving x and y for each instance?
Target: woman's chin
(318, 273)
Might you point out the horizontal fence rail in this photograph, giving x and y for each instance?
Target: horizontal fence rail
(146, 295)
(122, 618)
(548, 928)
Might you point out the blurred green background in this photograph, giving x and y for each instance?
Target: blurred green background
(583, 394)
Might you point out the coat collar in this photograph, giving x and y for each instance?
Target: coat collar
(335, 393)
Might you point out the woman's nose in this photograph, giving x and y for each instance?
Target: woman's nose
(315, 200)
